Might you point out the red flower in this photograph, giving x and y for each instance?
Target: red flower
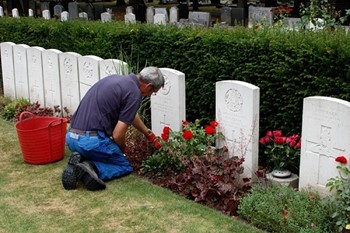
(165, 137)
(298, 145)
(277, 133)
(166, 130)
(184, 123)
(269, 134)
(209, 129)
(157, 144)
(214, 124)
(187, 135)
(292, 143)
(295, 137)
(341, 159)
(264, 140)
(280, 140)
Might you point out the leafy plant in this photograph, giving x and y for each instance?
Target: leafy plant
(193, 140)
(12, 109)
(212, 180)
(278, 208)
(321, 13)
(281, 152)
(341, 199)
(280, 13)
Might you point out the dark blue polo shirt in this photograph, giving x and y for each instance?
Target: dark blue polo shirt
(111, 99)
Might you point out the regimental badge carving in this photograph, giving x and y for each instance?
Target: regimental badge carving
(88, 70)
(50, 62)
(167, 86)
(34, 58)
(68, 67)
(233, 100)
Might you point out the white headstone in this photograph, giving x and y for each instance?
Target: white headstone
(262, 16)
(52, 82)
(35, 75)
(106, 17)
(7, 65)
(293, 23)
(325, 136)
(163, 11)
(129, 9)
(198, 17)
(168, 106)
(130, 18)
(15, 13)
(21, 71)
(69, 80)
(159, 19)
(64, 16)
(237, 112)
(174, 15)
(1, 11)
(46, 14)
(89, 72)
(112, 66)
(83, 15)
(150, 14)
(30, 12)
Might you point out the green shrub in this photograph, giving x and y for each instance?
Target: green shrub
(12, 109)
(280, 209)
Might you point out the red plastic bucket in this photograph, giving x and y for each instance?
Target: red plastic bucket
(42, 139)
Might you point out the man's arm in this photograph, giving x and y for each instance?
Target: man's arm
(151, 137)
(119, 134)
(140, 126)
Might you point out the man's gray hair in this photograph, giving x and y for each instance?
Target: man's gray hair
(152, 75)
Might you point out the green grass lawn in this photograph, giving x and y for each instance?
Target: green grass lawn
(33, 200)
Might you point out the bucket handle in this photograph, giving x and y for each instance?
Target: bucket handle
(21, 116)
(52, 123)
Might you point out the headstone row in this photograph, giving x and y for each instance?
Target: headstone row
(161, 16)
(50, 76)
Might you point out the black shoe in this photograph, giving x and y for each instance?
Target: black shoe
(69, 178)
(87, 174)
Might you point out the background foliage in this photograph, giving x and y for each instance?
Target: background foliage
(287, 66)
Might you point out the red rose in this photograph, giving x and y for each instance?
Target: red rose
(166, 130)
(277, 133)
(295, 137)
(298, 145)
(280, 140)
(341, 159)
(214, 124)
(165, 137)
(292, 143)
(269, 134)
(184, 123)
(187, 135)
(209, 130)
(264, 140)
(157, 144)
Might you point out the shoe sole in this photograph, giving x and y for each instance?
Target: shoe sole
(69, 178)
(89, 177)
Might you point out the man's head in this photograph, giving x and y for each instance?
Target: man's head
(151, 80)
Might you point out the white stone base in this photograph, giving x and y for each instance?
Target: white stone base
(291, 181)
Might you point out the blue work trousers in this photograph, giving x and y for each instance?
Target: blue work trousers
(102, 151)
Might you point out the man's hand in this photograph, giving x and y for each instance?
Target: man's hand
(151, 137)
